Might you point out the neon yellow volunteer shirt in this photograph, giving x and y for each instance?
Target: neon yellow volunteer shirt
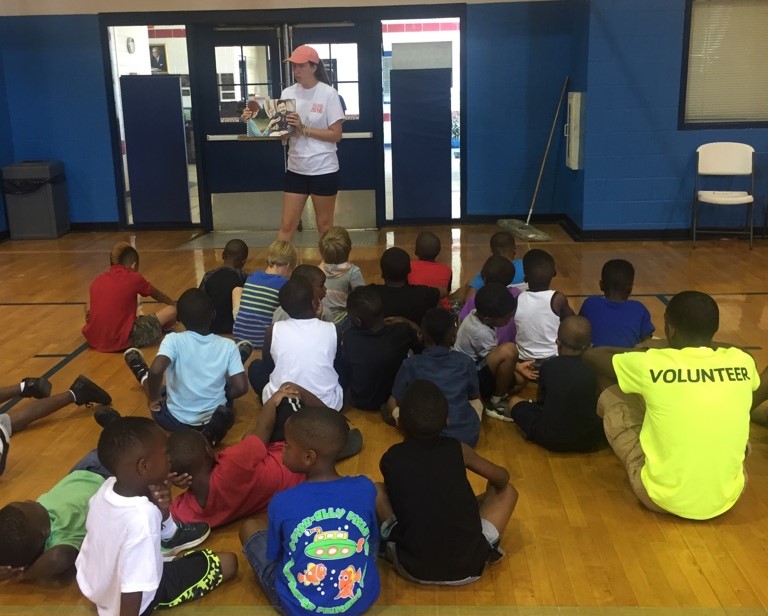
(696, 425)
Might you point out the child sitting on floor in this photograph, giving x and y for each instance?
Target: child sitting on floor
(539, 309)
(236, 482)
(120, 566)
(502, 245)
(436, 531)
(111, 317)
(426, 271)
(373, 350)
(219, 284)
(341, 276)
(453, 372)
(616, 320)
(199, 366)
(399, 298)
(287, 552)
(564, 416)
(255, 304)
(316, 278)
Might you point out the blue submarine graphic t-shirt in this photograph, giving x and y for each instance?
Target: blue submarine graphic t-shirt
(325, 537)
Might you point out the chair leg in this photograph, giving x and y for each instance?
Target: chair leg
(750, 214)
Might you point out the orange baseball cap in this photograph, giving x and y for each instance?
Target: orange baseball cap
(302, 54)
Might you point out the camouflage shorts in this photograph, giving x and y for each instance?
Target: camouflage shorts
(146, 331)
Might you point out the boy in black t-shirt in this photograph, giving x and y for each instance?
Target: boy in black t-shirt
(564, 417)
(373, 349)
(434, 529)
(398, 298)
(220, 282)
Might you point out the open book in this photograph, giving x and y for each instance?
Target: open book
(267, 117)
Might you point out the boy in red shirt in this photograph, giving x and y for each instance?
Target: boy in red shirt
(429, 273)
(111, 320)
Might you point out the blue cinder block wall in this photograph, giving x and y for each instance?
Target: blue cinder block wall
(55, 101)
(6, 145)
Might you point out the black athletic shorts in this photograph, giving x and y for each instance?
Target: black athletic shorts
(325, 185)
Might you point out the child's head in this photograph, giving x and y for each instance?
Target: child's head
(195, 310)
(691, 319)
(235, 253)
(189, 452)
(574, 336)
(25, 529)
(124, 254)
(364, 307)
(495, 305)
(335, 246)
(316, 278)
(395, 265)
(617, 278)
(297, 298)
(503, 244)
(282, 257)
(134, 449)
(427, 246)
(498, 269)
(314, 435)
(423, 410)
(438, 328)
(539, 268)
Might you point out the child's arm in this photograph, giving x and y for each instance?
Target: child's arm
(159, 296)
(266, 350)
(51, 563)
(496, 475)
(237, 294)
(130, 603)
(355, 278)
(266, 421)
(155, 380)
(560, 305)
(237, 385)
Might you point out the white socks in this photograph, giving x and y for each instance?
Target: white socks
(168, 528)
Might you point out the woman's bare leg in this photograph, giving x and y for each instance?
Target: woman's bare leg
(324, 209)
(293, 206)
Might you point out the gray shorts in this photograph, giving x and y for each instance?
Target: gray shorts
(490, 532)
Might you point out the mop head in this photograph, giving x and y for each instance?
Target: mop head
(520, 230)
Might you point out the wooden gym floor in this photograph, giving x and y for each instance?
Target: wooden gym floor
(578, 543)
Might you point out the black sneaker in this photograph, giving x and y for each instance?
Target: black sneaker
(105, 415)
(495, 553)
(86, 392)
(5, 445)
(245, 348)
(187, 536)
(36, 387)
(135, 360)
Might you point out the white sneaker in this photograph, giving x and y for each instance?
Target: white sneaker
(499, 410)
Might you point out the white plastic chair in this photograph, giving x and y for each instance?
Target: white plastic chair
(724, 159)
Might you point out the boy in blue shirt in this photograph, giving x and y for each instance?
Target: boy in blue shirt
(199, 366)
(503, 245)
(453, 372)
(318, 553)
(616, 320)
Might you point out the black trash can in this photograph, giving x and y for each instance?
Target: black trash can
(36, 199)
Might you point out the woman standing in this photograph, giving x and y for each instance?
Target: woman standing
(313, 167)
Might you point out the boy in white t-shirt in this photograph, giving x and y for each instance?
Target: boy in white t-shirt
(120, 567)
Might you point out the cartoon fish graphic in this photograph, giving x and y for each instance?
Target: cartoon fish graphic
(314, 574)
(347, 579)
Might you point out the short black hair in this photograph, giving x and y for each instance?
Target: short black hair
(502, 241)
(618, 275)
(311, 272)
(437, 325)
(296, 297)
(395, 264)
(365, 303)
(695, 315)
(122, 437)
(427, 246)
(186, 450)
(494, 300)
(236, 249)
(195, 309)
(20, 545)
(539, 266)
(423, 410)
(498, 269)
(320, 428)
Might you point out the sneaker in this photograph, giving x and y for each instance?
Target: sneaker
(105, 415)
(135, 360)
(5, 441)
(245, 348)
(187, 536)
(495, 554)
(86, 392)
(499, 410)
(36, 387)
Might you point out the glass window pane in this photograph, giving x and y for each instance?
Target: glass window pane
(242, 72)
(349, 92)
(346, 61)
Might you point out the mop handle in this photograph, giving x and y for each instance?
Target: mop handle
(546, 152)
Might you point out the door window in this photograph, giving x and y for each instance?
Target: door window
(243, 73)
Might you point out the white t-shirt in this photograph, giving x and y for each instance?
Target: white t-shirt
(536, 325)
(121, 551)
(304, 350)
(318, 107)
(198, 372)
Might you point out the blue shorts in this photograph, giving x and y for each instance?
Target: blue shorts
(255, 550)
